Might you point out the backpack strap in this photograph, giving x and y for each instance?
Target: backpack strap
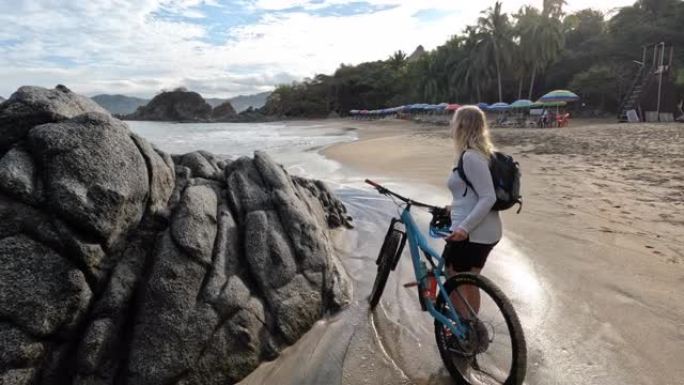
(461, 173)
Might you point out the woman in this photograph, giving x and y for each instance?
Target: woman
(475, 227)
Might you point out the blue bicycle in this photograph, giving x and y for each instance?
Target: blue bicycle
(477, 330)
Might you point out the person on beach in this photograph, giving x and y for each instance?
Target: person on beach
(475, 227)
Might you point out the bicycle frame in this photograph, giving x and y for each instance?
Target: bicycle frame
(418, 243)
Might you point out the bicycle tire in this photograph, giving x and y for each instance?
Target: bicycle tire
(385, 261)
(519, 348)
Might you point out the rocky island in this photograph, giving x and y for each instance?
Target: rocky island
(121, 264)
(223, 112)
(178, 105)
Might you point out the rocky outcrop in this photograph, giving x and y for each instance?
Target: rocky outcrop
(175, 106)
(31, 106)
(122, 265)
(223, 112)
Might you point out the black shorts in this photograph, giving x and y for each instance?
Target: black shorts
(465, 255)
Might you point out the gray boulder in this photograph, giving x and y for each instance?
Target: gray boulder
(120, 264)
(18, 176)
(160, 171)
(95, 176)
(31, 106)
(194, 224)
(56, 305)
(201, 165)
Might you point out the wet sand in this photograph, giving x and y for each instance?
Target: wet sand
(594, 264)
(601, 239)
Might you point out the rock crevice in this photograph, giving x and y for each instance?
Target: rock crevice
(122, 265)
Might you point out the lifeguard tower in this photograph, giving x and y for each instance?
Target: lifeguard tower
(652, 96)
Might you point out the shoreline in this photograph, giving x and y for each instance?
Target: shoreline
(602, 233)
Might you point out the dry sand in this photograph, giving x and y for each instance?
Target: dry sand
(602, 229)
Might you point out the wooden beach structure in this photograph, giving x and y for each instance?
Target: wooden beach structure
(652, 95)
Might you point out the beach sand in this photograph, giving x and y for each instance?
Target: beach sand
(602, 232)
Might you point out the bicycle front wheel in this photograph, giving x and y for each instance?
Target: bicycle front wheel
(493, 351)
(391, 247)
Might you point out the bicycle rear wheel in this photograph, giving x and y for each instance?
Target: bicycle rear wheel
(391, 246)
(494, 350)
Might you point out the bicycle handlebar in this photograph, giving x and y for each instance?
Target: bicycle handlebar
(385, 191)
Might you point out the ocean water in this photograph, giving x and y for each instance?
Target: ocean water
(295, 145)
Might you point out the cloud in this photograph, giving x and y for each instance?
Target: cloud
(219, 48)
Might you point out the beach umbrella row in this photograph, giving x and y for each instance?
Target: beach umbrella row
(556, 98)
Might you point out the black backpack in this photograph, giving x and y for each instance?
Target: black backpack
(506, 177)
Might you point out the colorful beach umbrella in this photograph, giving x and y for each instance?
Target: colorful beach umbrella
(483, 106)
(540, 104)
(500, 106)
(453, 107)
(559, 96)
(522, 103)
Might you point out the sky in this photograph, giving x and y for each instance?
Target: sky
(220, 48)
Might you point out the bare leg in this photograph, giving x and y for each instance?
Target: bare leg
(469, 293)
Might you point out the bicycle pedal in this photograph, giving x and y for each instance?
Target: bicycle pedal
(411, 284)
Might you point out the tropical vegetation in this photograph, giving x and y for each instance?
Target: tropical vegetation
(503, 57)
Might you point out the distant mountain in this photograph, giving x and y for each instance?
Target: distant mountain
(119, 104)
(126, 105)
(420, 51)
(174, 106)
(2, 99)
(215, 102)
(243, 102)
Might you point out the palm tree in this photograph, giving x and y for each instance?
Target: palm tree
(469, 73)
(541, 37)
(433, 90)
(526, 28)
(497, 42)
(397, 60)
(553, 9)
(453, 50)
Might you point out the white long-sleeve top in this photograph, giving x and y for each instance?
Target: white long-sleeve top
(473, 212)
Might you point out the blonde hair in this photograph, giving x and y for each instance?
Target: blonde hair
(470, 131)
